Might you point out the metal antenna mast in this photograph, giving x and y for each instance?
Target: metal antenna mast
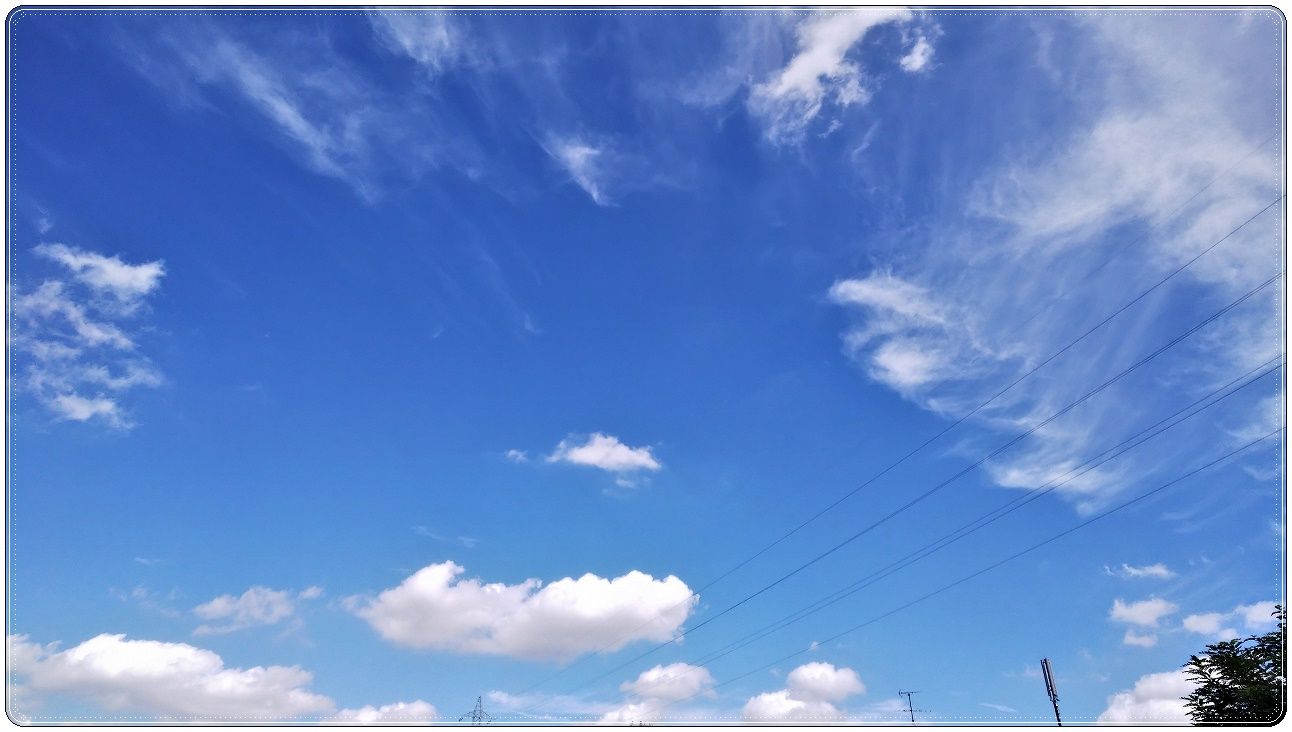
(1051, 689)
(910, 707)
(478, 716)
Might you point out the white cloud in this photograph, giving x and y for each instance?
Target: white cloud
(1155, 699)
(1145, 613)
(605, 452)
(126, 283)
(80, 359)
(416, 712)
(1256, 617)
(1211, 624)
(820, 72)
(326, 113)
(1002, 284)
(1142, 640)
(428, 37)
(82, 409)
(256, 607)
(435, 609)
(813, 689)
(586, 163)
(919, 57)
(1151, 571)
(672, 682)
(517, 456)
(164, 680)
(655, 689)
(823, 682)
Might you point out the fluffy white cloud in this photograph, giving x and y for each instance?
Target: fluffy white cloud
(1155, 699)
(1143, 640)
(165, 680)
(605, 452)
(655, 689)
(435, 609)
(812, 690)
(256, 607)
(823, 682)
(1151, 571)
(820, 72)
(671, 682)
(1212, 624)
(72, 333)
(1145, 613)
(416, 712)
(1256, 617)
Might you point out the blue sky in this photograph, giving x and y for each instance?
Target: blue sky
(367, 362)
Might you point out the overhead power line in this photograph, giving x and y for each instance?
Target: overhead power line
(960, 420)
(990, 567)
(991, 517)
(1013, 441)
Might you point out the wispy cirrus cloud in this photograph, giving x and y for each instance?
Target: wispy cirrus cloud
(74, 333)
(1060, 233)
(1148, 571)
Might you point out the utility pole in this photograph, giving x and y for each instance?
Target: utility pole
(1051, 689)
(477, 715)
(910, 707)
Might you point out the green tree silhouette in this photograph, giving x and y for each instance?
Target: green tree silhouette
(1240, 681)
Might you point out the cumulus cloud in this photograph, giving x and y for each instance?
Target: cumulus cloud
(164, 680)
(1211, 624)
(1254, 618)
(1142, 640)
(1155, 699)
(1149, 571)
(811, 693)
(71, 331)
(258, 606)
(416, 712)
(435, 609)
(672, 682)
(654, 689)
(1145, 613)
(820, 72)
(605, 452)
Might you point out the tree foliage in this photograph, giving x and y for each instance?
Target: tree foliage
(1240, 681)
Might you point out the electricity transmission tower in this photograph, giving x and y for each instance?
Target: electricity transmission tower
(910, 707)
(478, 716)
(1051, 689)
